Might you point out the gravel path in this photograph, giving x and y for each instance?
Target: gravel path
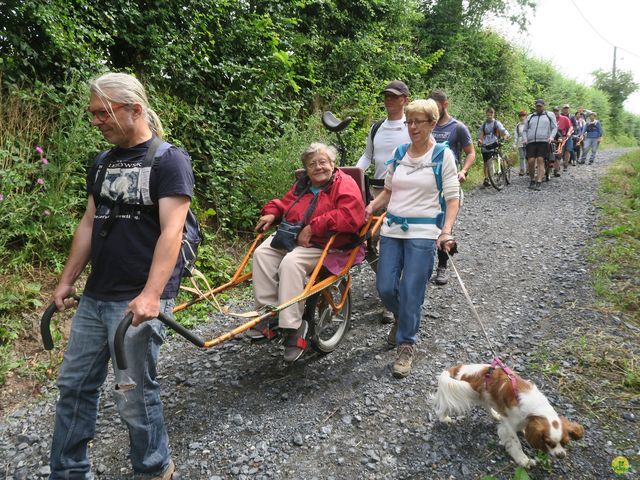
(237, 411)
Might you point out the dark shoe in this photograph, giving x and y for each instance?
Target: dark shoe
(532, 184)
(556, 174)
(295, 342)
(521, 174)
(538, 186)
(167, 474)
(391, 338)
(404, 360)
(386, 316)
(486, 183)
(581, 162)
(264, 329)
(442, 276)
(590, 162)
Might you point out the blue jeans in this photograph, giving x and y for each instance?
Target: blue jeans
(404, 269)
(137, 392)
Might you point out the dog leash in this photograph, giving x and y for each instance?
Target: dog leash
(497, 361)
(473, 308)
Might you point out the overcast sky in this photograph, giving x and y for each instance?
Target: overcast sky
(559, 33)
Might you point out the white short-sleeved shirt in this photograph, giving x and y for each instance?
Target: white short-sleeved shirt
(414, 193)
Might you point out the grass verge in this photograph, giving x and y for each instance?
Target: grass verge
(599, 370)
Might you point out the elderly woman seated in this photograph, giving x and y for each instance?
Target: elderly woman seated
(323, 202)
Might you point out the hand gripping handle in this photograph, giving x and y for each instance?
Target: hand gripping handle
(118, 339)
(45, 323)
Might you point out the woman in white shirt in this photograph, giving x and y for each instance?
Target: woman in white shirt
(415, 225)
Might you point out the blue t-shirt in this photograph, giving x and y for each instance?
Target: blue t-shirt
(120, 262)
(456, 134)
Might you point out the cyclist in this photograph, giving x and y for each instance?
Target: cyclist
(522, 151)
(565, 129)
(457, 135)
(385, 135)
(539, 130)
(491, 132)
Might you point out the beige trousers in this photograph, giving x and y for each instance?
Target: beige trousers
(279, 276)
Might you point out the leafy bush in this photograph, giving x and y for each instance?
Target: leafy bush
(42, 177)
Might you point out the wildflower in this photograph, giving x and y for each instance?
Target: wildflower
(39, 150)
(1, 197)
(40, 181)
(46, 212)
(44, 160)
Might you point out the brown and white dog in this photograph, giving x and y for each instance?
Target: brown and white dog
(516, 403)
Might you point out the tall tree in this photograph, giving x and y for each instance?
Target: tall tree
(618, 87)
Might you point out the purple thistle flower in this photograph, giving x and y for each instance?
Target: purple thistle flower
(39, 150)
(44, 160)
(40, 181)
(46, 212)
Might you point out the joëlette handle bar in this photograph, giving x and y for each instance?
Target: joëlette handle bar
(45, 323)
(118, 339)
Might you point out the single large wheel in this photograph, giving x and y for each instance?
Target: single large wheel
(326, 327)
(495, 173)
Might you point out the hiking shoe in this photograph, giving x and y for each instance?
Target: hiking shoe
(538, 186)
(295, 342)
(442, 276)
(590, 162)
(581, 162)
(167, 474)
(264, 329)
(521, 173)
(556, 174)
(486, 183)
(391, 338)
(404, 360)
(386, 316)
(532, 184)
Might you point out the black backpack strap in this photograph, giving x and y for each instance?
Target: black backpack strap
(151, 160)
(375, 127)
(102, 162)
(372, 134)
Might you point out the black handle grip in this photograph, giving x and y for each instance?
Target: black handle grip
(45, 324)
(118, 340)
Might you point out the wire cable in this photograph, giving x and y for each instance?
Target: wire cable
(598, 32)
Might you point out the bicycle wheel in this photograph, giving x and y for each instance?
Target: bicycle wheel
(495, 173)
(506, 170)
(327, 328)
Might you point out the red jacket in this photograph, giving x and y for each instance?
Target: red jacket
(340, 209)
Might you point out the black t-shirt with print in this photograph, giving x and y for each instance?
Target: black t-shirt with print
(120, 262)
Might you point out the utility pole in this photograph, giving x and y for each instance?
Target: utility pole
(613, 73)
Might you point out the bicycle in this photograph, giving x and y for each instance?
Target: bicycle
(499, 169)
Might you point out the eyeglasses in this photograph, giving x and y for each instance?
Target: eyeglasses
(416, 122)
(321, 163)
(104, 115)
